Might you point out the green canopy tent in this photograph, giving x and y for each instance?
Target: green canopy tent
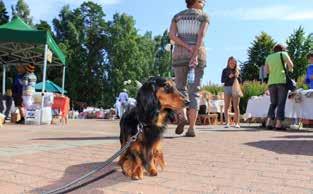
(22, 44)
(50, 87)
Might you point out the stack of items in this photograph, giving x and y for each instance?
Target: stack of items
(34, 113)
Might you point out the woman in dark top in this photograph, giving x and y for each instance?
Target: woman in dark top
(230, 73)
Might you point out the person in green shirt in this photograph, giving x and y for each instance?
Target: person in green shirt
(277, 84)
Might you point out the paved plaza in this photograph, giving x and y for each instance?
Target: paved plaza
(34, 159)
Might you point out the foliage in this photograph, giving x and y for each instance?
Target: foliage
(299, 45)
(4, 17)
(249, 89)
(213, 88)
(260, 48)
(301, 83)
(22, 10)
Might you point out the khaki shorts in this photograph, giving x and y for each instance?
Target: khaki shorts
(192, 90)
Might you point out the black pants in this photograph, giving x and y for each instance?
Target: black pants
(8, 103)
(278, 94)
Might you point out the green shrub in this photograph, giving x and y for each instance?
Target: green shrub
(301, 84)
(213, 88)
(249, 89)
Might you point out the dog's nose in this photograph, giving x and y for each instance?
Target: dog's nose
(187, 102)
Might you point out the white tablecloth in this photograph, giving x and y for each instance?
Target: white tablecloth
(216, 105)
(258, 107)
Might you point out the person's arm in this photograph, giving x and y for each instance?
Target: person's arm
(173, 36)
(224, 76)
(289, 63)
(267, 69)
(201, 36)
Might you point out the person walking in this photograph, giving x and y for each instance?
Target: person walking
(275, 66)
(231, 77)
(309, 72)
(123, 99)
(187, 30)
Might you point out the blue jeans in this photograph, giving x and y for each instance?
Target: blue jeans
(278, 94)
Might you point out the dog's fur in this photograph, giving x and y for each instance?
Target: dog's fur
(156, 100)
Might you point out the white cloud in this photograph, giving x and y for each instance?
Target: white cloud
(276, 12)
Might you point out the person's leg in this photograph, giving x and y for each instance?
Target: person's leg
(8, 102)
(194, 97)
(181, 84)
(1, 104)
(281, 103)
(227, 100)
(236, 101)
(271, 112)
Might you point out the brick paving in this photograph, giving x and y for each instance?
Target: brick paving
(34, 159)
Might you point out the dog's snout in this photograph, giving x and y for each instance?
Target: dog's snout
(187, 102)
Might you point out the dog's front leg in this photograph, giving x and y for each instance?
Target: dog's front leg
(137, 167)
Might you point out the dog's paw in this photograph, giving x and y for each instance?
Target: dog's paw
(153, 172)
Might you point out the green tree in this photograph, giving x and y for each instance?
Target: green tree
(299, 45)
(22, 10)
(124, 54)
(261, 47)
(4, 17)
(162, 64)
(43, 25)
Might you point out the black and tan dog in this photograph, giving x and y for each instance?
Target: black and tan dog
(156, 100)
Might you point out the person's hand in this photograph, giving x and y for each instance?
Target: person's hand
(190, 49)
(267, 92)
(231, 75)
(193, 62)
(236, 74)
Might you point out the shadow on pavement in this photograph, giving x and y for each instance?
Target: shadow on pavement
(78, 138)
(295, 137)
(230, 130)
(108, 176)
(290, 147)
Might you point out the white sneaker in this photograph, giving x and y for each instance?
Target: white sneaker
(227, 126)
(237, 126)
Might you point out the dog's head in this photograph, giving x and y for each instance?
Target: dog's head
(158, 94)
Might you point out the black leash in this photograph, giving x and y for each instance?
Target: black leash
(77, 183)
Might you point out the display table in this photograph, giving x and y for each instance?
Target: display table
(258, 107)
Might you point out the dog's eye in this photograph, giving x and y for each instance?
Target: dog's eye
(168, 89)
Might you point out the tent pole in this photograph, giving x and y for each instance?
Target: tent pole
(43, 82)
(3, 79)
(63, 80)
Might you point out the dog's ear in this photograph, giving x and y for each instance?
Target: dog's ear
(147, 103)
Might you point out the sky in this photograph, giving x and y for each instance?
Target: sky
(233, 26)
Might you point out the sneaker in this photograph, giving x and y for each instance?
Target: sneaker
(190, 133)
(227, 126)
(237, 126)
(180, 127)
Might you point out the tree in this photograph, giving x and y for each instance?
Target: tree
(22, 10)
(4, 17)
(43, 25)
(261, 47)
(162, 65)
(299, 45)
